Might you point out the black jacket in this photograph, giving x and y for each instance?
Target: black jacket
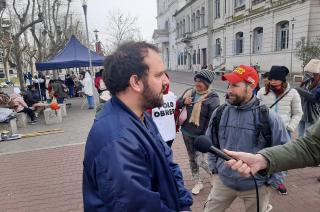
(208, 106)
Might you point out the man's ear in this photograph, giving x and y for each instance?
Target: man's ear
(135, 83)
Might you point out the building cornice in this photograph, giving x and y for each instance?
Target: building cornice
(185, 6)
(261, 11)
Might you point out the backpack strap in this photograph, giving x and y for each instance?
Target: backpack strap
(264, 126)
(216, 125)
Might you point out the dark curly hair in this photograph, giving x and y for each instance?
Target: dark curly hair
(126, 61)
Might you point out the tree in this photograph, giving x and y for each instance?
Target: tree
(24, 23)
(307, 50)
(121, 28)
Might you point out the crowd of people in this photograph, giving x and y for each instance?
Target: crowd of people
(128, 150)
(39, 94)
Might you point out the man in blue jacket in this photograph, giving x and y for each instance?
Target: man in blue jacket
(238, 131)
(127, 165)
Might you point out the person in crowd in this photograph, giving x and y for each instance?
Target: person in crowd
(289, 106)
(309, 91)
(56, 90)
(127, 165)
(5, 100)
(97, 81)
(25, 77)
(241, 124)
(265, 79)
(29, 75)
(20, 106)
(86, 81)
(286, 103)
(37, 81)
(164, 117)
(70, 85)
(293, 155)
(43, 88)
(32, 99)
(199, 103)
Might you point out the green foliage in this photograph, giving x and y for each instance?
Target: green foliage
(307, 50)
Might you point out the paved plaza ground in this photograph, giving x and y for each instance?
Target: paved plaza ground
(44, 173)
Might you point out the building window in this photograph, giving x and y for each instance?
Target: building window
(194, 57)
(198, 19)
(282, 35)
(225, 6)
(239, 43)
(254, 2)
(185, 58)
(218, 47)
(178, 28)
(166, 25)
(188, 23)
(184, 26)
(198, 57)
(217, 7)
(193, 20)
(181, 28)
(257, 39)
(239, 5)
(203, 14)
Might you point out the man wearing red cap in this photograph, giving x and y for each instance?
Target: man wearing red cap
(238, 126)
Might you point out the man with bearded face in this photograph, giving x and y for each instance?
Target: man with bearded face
(238, 131)
(127, 165)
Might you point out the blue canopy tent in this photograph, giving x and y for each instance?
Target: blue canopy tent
(73, 55)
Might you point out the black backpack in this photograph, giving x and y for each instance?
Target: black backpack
(262, 126)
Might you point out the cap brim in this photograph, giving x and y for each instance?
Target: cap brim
(232, 78)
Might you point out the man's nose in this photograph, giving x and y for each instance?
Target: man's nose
(166, 80)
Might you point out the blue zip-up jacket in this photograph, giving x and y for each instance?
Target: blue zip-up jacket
(128, 167)
(237, 132)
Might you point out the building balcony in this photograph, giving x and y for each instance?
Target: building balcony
(161, 36)
(186, 37)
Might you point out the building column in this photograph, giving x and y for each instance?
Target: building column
(210, 27)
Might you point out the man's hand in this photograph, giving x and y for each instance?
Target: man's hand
(246, 163)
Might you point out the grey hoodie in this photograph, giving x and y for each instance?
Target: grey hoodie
(237, 132)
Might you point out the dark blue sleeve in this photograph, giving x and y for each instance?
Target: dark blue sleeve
(124, 179)
(185, 196)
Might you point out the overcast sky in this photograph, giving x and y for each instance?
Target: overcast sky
(145, 10)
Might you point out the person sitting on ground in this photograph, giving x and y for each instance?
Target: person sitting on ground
(20, 106)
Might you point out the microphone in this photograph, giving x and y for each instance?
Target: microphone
(203, 144)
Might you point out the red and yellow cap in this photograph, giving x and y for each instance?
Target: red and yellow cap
(243, 73)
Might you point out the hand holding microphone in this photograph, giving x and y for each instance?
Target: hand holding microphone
(242, 162)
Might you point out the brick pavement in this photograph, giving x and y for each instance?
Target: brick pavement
(50, 180)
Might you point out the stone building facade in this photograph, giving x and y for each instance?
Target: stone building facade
(192, 34)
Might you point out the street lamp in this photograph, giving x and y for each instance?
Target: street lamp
(292, 29)
(84, 6)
